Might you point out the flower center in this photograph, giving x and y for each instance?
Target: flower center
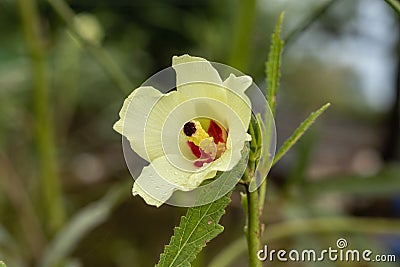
(208, 145)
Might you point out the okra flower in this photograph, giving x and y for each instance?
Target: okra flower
(189, 134)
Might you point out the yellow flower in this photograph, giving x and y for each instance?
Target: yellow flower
(188, 134)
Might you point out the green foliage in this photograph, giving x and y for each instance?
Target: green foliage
(304, 126)
(197, 227)
(273, 64)
(81, 224)
(2, 264)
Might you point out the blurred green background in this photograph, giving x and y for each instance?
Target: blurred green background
(66, 67)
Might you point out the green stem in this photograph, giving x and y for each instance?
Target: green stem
(395, 5)
(107, 63)
(253, 228)
(242, 36)
(50, 183)
(263, 194)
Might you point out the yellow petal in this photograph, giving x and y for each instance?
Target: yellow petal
(152, 188)
(196, 77)
(200, 71)
(155, 126)
(133, 117)
(241, 104)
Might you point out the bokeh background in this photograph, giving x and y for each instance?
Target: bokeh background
(66, 67)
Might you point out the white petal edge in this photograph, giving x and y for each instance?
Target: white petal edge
(160, 179)
(241, 104)
(133, 117)
(238, 84)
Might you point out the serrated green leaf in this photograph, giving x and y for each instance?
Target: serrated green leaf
(200, 224)
(289, 143)
(272, 66)
(197, 227)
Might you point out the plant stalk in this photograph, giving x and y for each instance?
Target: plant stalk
(49, 182)
(253, 228)
(239, 56)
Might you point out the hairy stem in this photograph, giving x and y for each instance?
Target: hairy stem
(263, 194)
(253, 228)
(50, 183)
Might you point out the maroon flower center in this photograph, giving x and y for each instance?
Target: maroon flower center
(189, 128)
